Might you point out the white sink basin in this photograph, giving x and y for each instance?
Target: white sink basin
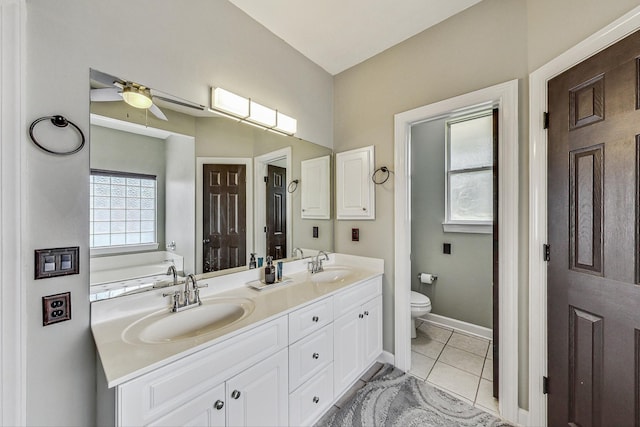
(163, 326)
(331, 275)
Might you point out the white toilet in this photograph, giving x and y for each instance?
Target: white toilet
(420, 305)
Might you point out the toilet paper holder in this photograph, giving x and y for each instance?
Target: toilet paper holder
(433, 276)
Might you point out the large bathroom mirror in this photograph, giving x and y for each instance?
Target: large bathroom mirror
(176, 184)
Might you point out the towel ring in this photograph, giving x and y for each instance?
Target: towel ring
(384, 170)
(293, 184)
(61, 122)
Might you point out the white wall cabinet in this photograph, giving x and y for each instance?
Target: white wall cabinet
(357, 332)
(355, 191)
(315, 187)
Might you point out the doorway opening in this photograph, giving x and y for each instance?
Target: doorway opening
(504, 97)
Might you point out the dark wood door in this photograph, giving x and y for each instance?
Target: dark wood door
(224, 217)
(593, 297)
(276, 212)
(496, 262)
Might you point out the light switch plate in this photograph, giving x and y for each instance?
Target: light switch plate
(56, 262)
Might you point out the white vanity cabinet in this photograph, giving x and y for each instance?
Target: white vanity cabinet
(240, 381)
(310, 362)
(355, 191)
(315, 188)
(357, 332)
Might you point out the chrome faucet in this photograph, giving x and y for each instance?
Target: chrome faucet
(172, 270)
(296, 250)
(183, 300)
(315, 266)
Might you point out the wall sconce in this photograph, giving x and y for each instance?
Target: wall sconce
(245, 110)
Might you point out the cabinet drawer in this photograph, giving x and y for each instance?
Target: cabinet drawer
(350, 299)
(312, 399)
(156, 393)
(310, 355)
(308, 319)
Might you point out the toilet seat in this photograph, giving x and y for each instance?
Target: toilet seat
(419, 300)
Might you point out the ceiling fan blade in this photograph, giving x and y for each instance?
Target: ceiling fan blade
(106, 94)
(157, 112)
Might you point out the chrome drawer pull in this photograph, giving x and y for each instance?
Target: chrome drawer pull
(218, 405)
(361, 315)
(366, 313)
(235, 394)
(315, 355)
(316, 399)
(315, 318)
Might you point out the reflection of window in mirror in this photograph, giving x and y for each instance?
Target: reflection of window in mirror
(469, 173)
(122, 212)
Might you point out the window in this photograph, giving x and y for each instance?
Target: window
(469, 174)
(122, 211)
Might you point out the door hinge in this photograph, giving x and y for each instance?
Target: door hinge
(266, 179)
(545, 385)
(546, 252)
(545, 120)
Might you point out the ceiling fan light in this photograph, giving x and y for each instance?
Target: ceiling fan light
(136, 97)
(262, 115)
(230, 102)
(286, 124)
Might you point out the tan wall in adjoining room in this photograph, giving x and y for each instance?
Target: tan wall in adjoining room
(492, 42)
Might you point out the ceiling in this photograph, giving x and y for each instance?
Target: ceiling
(338, 34)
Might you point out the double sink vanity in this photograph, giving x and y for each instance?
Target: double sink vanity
(277, 356)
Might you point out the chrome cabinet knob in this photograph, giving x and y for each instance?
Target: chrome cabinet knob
(218, 405)
(366, 313)
(316, 399)
(315, 355)
(315, 318)
(235, 394)
(361, 315)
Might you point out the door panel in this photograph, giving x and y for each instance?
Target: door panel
(224, 216)
(276, 212)
(593, 299)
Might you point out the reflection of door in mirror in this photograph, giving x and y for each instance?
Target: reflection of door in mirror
(276, 232)
(224, 216)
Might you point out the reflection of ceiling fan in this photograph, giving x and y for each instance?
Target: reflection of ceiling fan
(105, 88)
(132, 93)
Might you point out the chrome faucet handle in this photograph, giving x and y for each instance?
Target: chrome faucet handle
(176, 299)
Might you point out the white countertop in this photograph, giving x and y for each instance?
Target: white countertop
(123, 360)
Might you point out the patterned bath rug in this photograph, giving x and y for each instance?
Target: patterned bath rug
(393, 398)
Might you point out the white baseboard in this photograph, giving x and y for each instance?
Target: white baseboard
(458, 325)
(387, 357)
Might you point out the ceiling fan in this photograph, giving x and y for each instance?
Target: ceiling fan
(107, 88)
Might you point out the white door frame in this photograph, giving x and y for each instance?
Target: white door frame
(12, 139)
(200, 161)
(538, 80)
(261, 163)
(504, 95)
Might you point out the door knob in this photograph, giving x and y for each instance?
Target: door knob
(218, 405)
(235, 394)
(205, 241)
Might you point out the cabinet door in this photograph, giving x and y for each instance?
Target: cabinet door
(208, 409)
(355, 192)
(347, 350)
(315, 188)
(259, 396)
(372, 331)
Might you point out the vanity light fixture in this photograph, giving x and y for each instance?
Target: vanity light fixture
(138, 97)
(245, 110)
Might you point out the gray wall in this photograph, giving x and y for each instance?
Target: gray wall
(179, 47)
(129, 152)
(463, 290)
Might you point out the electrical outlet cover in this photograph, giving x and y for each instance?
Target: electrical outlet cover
(56, 308)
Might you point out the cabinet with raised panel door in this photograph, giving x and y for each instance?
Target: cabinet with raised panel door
(355, 191)
(357, 332)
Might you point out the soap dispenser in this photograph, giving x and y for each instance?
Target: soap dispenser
(252, 261)
(269, 272)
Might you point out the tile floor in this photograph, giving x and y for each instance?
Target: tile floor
(458, 363)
